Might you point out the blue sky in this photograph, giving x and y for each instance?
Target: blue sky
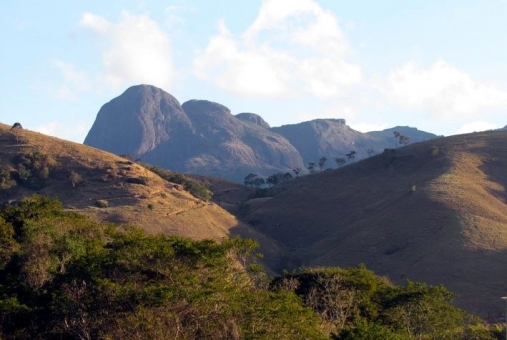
(440, 66)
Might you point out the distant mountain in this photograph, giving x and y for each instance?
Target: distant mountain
(387, 137)
(203, 137)
(199, 136)
(138, 121)
(330, 138)
(253, 118)
(414, 134)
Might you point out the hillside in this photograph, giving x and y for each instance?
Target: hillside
(111, 188)
(433, 211)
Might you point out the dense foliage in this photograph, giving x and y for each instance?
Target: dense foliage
(33, 168)
(191, 185)
(63, 276)
(354, 303)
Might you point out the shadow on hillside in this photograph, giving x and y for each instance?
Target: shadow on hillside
(314, 212)
(494, 164)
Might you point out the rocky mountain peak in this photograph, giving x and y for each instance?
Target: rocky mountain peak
(137, 121)
(253, 118)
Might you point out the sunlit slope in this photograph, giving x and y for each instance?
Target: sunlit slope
(112, 188)
(433, 211)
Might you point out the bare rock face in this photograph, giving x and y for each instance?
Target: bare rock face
(138, 121)
(233, 146)
(199, 136)
(203, 137)
(332, 138)
(328, 138)
(253, 118)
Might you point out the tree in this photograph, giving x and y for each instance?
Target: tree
(404, 140)
(370, 151)
(322, 162)
(258, 182)
(340, 161)
(16, 126)
(311, 167)
(63, 276)
(287, 176)
(296, 171)
(250, 179)
(274, 179)
(396, 136)
(351, 155)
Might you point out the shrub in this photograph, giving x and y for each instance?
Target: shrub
(75, 178)
(434, 150)
(137, 180)
(102, 203)
(33, 167)
(193, 186)
(151, 206)
(68, 277)
(6, 182)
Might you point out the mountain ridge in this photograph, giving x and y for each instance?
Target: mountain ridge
(203, 137)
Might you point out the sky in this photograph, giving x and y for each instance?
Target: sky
(437, 65)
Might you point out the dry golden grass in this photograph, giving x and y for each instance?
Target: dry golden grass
(438, 219)
(157, 207)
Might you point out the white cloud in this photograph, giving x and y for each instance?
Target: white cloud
(476, 126)
(95, 22)
(292, 48)
(442, 90)
(138, 51)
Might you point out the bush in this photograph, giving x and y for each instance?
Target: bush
(102, 203)
(68, 277)
(34, 168)
(75, 178)
(6, 182)
(137, 180)
(193, 186)
(434, 150)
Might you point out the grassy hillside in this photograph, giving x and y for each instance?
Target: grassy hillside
(109, 188)
(64, 276)
(433, 211)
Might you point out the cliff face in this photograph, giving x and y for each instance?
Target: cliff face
(198, 137)
(203, 137)
(330, 138)
(138, 121)
(253, 118)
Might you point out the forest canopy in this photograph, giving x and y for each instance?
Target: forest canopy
(64, 276)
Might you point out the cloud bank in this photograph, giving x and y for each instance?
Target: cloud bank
(442, 90)
(292, 48)
(136, 51)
